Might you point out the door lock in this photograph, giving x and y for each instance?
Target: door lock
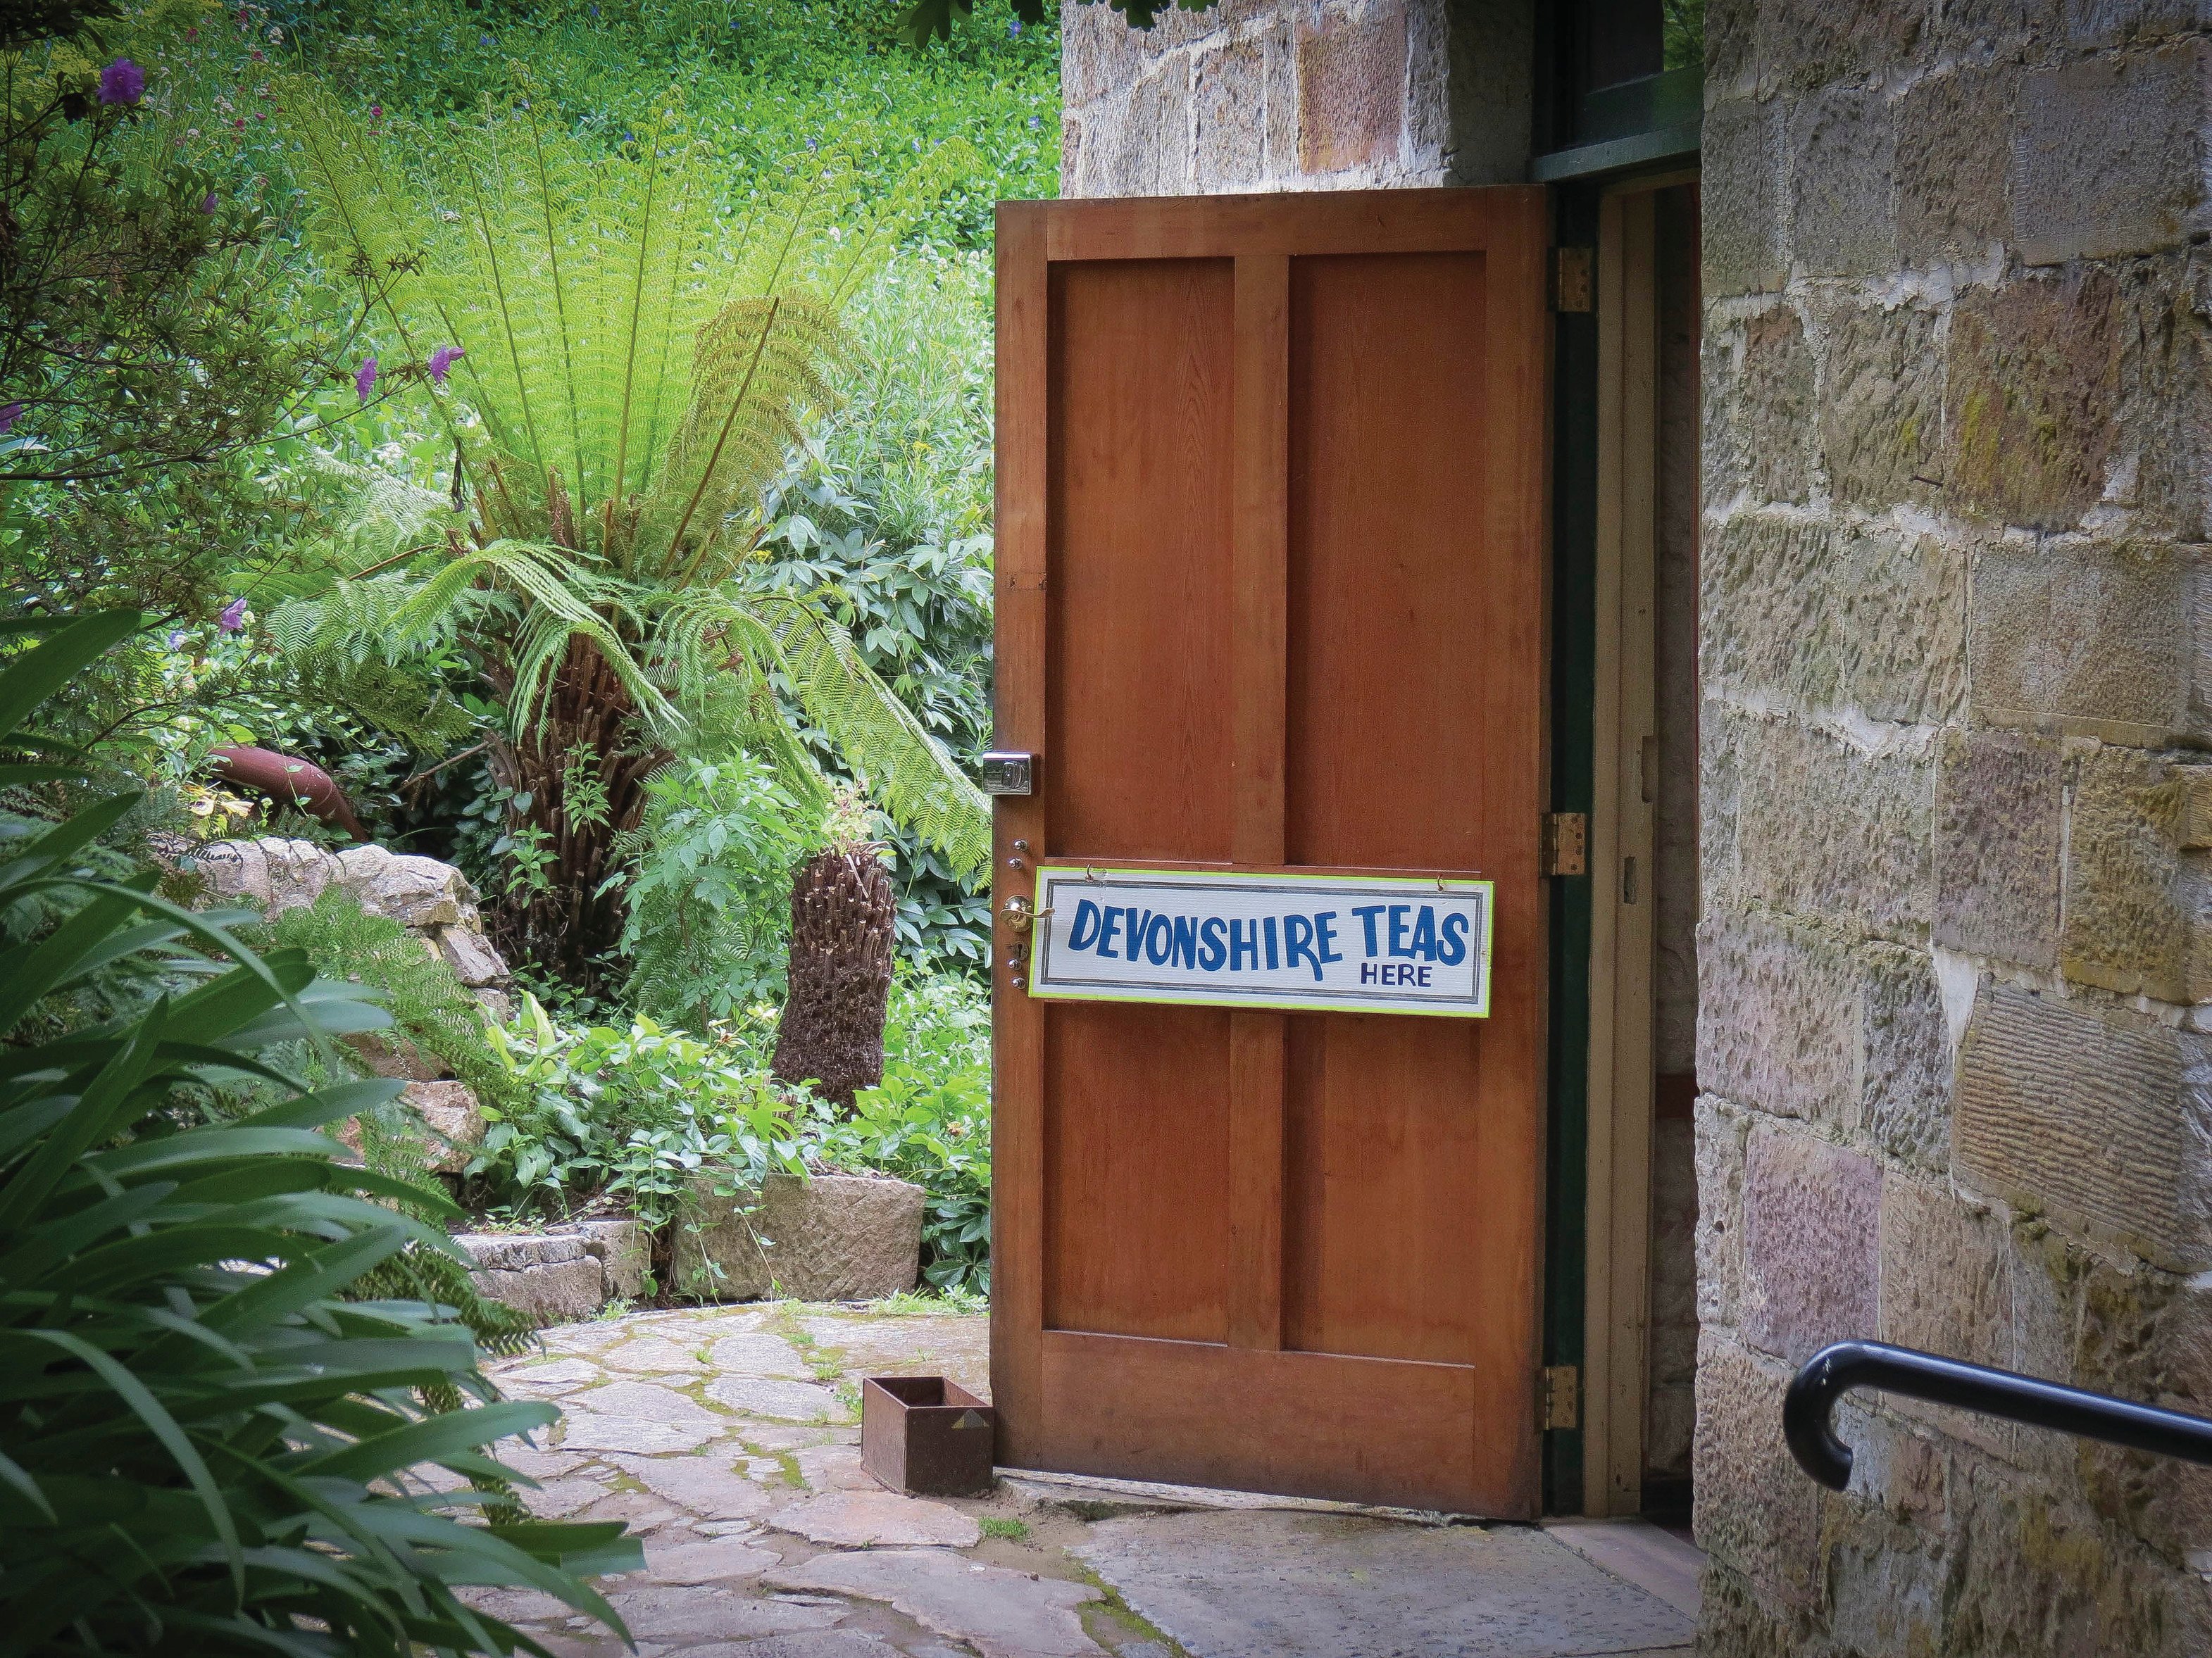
(1016, 914)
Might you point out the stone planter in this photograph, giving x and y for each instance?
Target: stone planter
(559, 1276)
(835, 1237)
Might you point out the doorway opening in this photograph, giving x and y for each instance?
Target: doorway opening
(1639, 1303)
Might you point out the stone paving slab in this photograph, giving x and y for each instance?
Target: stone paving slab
(724, 1436)
(1269, 1584)
(1001, 1614)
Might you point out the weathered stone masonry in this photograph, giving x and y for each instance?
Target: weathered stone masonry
(1957, 806)
(1274, 94)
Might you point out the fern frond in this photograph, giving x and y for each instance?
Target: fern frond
(906, 768)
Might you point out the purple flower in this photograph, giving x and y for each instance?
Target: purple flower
(364, 378)
(207, 204)
(441, 362)
(233, 619)
(1013, 28)
(8, 416)
(376, 112)
(122, 82)
(176, 637)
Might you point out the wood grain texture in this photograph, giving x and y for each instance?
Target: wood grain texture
(1137, 1170)
(1016, 1022)
(1138, 608)
(1259, 666)
(1358, 1430)
(1293, 527)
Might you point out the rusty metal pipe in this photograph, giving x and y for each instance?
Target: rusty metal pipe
(292, 780)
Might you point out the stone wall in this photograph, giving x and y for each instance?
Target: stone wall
(1957, 692)
(1273, 94)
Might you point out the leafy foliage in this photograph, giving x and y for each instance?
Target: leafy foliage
(638, 1112)
(766, 81)
(626, 376)
(630, 1112)
(925, 19)
(707, 875)
(152, 339)
(884, 511)
(429, 1007)
(207, 1450)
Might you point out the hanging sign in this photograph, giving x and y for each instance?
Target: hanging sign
(1356, 944)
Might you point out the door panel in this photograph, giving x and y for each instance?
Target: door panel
(1139, 584)
(1136, 1159)
(1270, 594)
(1382, 1251)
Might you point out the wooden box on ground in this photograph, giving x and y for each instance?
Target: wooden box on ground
(926, 1437)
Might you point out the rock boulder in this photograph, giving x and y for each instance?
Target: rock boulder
(833, 1237)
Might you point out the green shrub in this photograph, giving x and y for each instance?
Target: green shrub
(930, 1123)
(706, 876)
(428, 1005)
(633, 1112)
(207, 1449)
(637, 1113)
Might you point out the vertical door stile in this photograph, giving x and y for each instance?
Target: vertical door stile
(1258, 656)
(1018, 1240)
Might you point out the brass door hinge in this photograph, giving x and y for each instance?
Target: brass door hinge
(1566, 843)
(1574, 279)
(1560, 1397)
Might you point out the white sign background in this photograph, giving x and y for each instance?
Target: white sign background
(1359, 943)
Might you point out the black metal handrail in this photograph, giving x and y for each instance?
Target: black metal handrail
(1835, 1370)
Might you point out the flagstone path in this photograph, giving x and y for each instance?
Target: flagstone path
(728, 1439)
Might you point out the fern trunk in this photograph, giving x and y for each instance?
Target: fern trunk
(578, 781)
(841, 928)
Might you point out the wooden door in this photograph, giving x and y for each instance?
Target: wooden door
(1270, 595)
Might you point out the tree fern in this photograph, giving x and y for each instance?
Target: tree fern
(631, 372)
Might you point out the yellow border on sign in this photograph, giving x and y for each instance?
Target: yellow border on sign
(1079, 872)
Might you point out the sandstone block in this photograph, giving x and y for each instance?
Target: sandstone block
(275, 874)
(1946, 1288)
(2092, 636)
(1999, 803)
(2095, 23)
(1953, 158)
(2166, 401)
(2109, 156)
(1780, 1026)
(624, 1252)
(1865, 617)
(1232, 117)
(2105, 1128)
(450, 1111)
(2033, 384)
(1803, 43)
(1881, 412)
(1980, 27)
(1731, 48)
(520, 1251)
(833, 1237)
(1825, 829)
(1843, 151)
(1757, 1514)
(1758, 390)
(1743, 195)
(415, 892)
(1905, 1086)
(1811, 1242)
(470, 955)
(2070, 1584)
(2138, 907)
(552, 1293)
(1351, 88)
(1280, 44)
(1722, 1132)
